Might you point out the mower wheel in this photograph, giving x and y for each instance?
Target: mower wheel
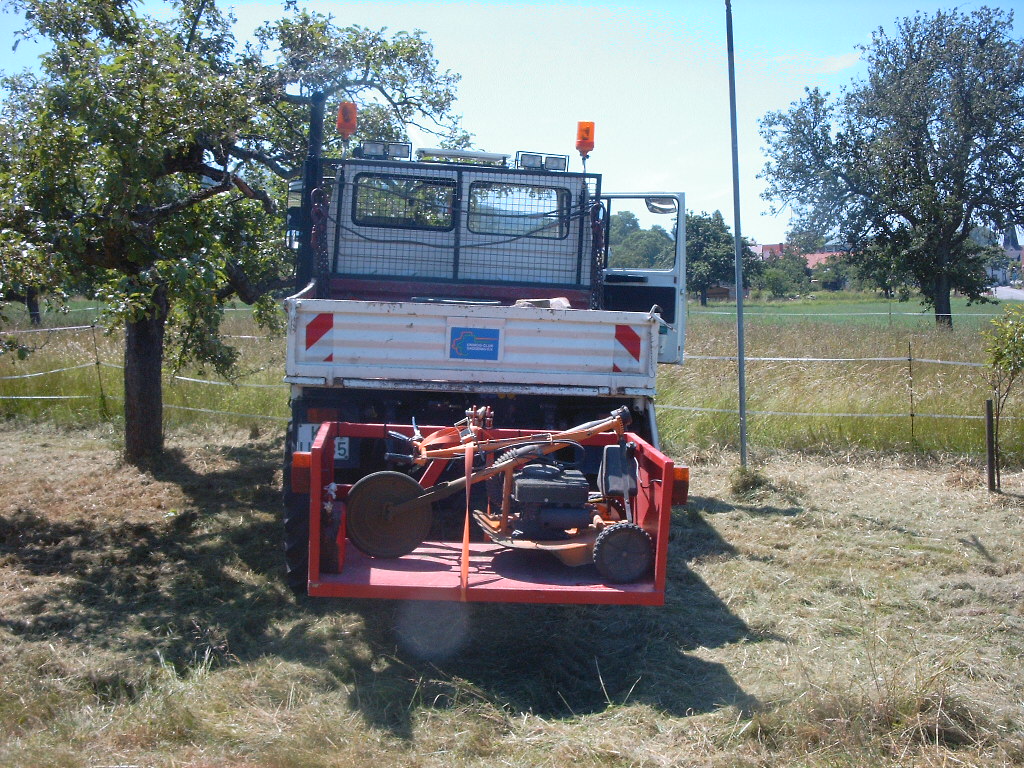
(623, 553)
(373, 527)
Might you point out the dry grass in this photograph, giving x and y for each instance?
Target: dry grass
(96, 391)
(873, 390)
(837, 613)
(878, 394)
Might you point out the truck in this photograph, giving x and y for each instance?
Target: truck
(465, 302)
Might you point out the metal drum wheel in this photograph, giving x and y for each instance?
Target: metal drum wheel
(372, 525)
(623, 553)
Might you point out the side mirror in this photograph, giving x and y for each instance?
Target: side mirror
(661, 204)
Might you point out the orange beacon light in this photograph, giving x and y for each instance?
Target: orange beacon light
(346, 119)
(584, 138)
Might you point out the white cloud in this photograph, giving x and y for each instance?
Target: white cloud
(832, 64)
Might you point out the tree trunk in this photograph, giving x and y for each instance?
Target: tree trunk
(943, 311)
(32, 304)
(143, 391)
(703, 297)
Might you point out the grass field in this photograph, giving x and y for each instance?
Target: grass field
(825, 612)
(258, 389)
(848, 308)
(855, 601)
(858, 403)
(854, 405)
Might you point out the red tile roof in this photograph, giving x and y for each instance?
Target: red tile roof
(814, 259)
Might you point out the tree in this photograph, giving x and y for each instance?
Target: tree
(632, 246)
(804, 241)
(1004, 346)
(149, 154)
(833, 274)
(621, 225)
(22, 268)
(711, 254)
(784, 275)
(906, 163)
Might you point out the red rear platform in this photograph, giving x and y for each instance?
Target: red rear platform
(495, 574)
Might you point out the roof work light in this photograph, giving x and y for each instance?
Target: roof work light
(399, 150)
(556, 162)
(535, 161)
(530, 160)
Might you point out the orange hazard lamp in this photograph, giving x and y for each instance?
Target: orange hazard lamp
(347, 120)
(680, 484)
(584, 138)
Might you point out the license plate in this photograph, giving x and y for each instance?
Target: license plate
(307, 434)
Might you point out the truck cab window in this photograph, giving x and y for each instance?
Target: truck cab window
(518, 210)
(403, 202)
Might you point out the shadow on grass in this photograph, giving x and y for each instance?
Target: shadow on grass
(709, 505)
(206, 583)
(557, 661)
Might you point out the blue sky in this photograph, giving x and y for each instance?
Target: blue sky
(651, 75)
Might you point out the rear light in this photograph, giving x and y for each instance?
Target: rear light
(680, 485)
(320, 415)
(300, 471)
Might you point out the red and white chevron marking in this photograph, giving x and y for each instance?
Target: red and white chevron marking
(320, 338)
(627, 350)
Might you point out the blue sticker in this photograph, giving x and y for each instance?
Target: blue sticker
(474, 343)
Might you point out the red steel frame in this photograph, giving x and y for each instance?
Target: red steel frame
(496, 574)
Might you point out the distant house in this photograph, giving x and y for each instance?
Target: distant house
(722, 292)
(816, 259)
(1008, 269)
(768, 250)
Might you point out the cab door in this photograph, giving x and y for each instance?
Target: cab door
(645, 258)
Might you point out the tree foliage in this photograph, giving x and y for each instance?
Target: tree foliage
(709, 249)
(804, 241)
(1004, 346)
(904, 164)
(835, 273)
(783, 275)
(633, 246)
(148, 155)
(711, 254)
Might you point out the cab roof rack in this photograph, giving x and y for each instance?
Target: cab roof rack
(499, 159)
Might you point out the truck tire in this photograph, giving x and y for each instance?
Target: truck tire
(295, 522)
(296, 540)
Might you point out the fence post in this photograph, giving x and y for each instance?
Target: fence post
(99, 374)
(990, 447)
(910, 373)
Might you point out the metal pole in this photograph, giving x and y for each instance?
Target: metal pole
(990, 447)
(741, 361)
(310, 181)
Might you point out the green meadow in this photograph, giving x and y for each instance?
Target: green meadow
(859, 374)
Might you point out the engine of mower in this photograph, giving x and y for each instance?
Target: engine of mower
(549, 499)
